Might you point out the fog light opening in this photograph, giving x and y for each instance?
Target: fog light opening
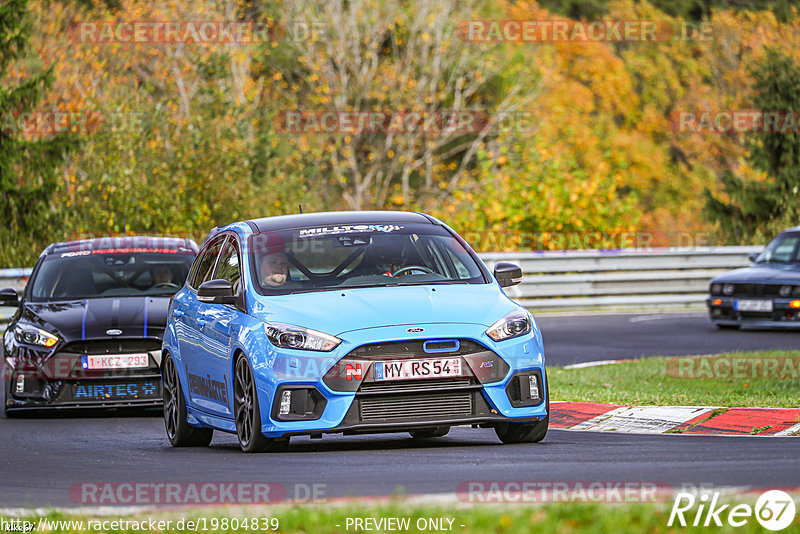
(286, 402)
(717, 302)
(524, 389)
(794, 304)
(20, 385)
(534, 387)
(298, 403)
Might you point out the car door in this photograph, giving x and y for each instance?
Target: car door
(219, 321)
(190, 322)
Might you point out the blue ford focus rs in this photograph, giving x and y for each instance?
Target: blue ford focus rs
(348, 322)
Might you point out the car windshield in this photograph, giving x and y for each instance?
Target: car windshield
(362, 255)
(110, 273)
(782, 249)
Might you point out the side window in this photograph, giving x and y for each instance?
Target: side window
(228, 266)
(204, 266)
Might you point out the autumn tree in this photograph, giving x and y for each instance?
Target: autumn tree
(760, 208)
(386, 56)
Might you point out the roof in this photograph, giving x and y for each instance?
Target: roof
(305, 220)
(129, 242)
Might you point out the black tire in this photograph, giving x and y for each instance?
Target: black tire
(435, 432)
(525, 432)
(248, 413)
(522, 432)
(729, 326)
(179, 432)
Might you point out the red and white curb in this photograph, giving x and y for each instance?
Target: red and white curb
(712, 420)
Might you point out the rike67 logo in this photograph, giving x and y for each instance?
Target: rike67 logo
(774, 510)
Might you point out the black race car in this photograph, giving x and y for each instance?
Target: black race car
(89, 325)
(767, 294)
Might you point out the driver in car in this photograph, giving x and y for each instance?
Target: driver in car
(161, 274)
(274, 269)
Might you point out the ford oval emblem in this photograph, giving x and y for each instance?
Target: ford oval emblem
(113, 332)
(415, 330)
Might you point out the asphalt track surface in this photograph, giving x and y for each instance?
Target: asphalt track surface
(585, 338)
(43, 457)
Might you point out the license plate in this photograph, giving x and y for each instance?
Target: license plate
(415, 369)
(115, 361)
(753, 305)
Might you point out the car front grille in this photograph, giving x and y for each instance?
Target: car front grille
(355, 371)
(439, 405)
(412, 386)
(759, 290)
(112, 346)
(66, 364)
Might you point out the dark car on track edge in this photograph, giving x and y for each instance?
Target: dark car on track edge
(766, 294)
(88, 327)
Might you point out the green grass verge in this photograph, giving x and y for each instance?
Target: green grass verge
(647, 382)
(478, 519)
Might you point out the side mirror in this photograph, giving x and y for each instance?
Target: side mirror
(507, 274)
(9, 297)
(216, 292)
(753, 256)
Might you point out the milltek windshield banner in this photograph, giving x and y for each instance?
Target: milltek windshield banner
(346, 229)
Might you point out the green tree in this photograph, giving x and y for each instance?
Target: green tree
(29, 165)
(757, 209)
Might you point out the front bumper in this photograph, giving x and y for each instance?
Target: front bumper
(369, 407)
(353, 423)
(52, 383)
(723, 311)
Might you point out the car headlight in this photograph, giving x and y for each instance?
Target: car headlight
(785, 291)
(515, 324)
(296, 337)
(30, 335)
(716, 289)
(727, 289)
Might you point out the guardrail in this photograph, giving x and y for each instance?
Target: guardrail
(595, 279)
(586, 279)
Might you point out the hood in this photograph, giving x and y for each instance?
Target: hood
(91, 318)
(338, 312)
(771, 273)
